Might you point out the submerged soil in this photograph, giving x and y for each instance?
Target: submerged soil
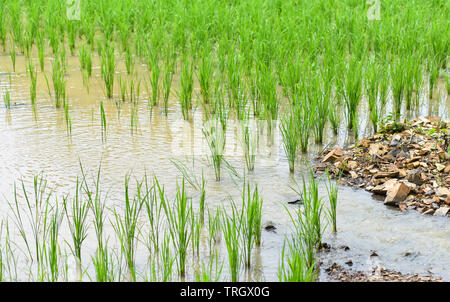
(407, 164)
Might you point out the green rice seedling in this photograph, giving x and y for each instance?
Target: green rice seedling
(187, 86)
(372, 87)
(205, 73)
(12, 54)
(153, 211)
(134, 90)
(127, 225)
(294, 266)
(250, 220)
(352, 90)
(267, 92)
(129, 60)
(334, 115)
(101, 260)
(333, 189)
(290, 135)
(202, 199)
(215, 137)
(3, 27)
(72, 33)
(134, 118)
(77, 223)
(33, 76)
(433, 67)
(40, 42)
(231, 228)
(318, 95)
(123, 88)
(7, 99)
(103, 121)
(214, 227)
(167, 260)
(410, 63)
(67, 118)
(398, 85)
(155, 71)
(195, 227)
(210, 273)
(37, 211)
(418, 82)
(178, 219)
(11, 258)
(303, 112)
(53, 249)
(249, 142)
(85, 57)
(108, 67)
(168, 72)
(59, 82)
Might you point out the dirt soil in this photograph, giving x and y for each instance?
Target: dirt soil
(406, 164)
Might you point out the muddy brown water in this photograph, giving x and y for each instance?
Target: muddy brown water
(32, 142)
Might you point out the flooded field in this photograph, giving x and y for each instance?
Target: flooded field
(35, 142)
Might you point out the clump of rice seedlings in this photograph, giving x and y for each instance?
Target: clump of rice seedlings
(433, 67)
(67, 118)
(155, 71)
(249, 142)
(418, 82)
(129, 60)
(214, 227)
(248, 224)
(205, 73)
(168, 72)
(398, 85)
(53, 249)
(33, 76)
(77, 224)
(166, 259)
(178, 219)
(40, 43)
(210, 272)
(187, 86)
(12, 54)
(290, 135)
(102, 260)
(195, 227)
(85, 57)
(410, 62)
(202, 199)
(333, 189)
(318, 96)
(134, 119)
(3, 26)
(267, 92)
(215, 137)
(72, 33)
(108, 67)
(294, 266)
(372, 87)
(153, 211)
(352, 91)
(126, 226)
(7, 100)
(333, 115)
(231, 228)
(303, 110)
(37, 211)
(59, 82)
(123, 88)
(103, 121)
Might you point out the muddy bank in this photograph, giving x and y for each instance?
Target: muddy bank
(377, 274)
(407, 165)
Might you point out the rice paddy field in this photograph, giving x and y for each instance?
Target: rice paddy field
(166, 140)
